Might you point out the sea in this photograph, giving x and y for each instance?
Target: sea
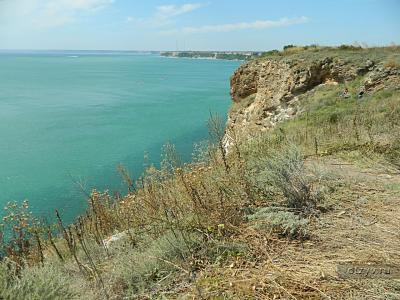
(68, 119)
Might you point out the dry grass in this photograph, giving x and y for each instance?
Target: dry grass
(355, 231)
(185, 231)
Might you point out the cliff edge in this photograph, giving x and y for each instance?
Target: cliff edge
(271, 89)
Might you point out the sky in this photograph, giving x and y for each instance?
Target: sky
(256, 25)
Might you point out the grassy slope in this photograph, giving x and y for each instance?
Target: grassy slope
(269, 220)
(355, 55)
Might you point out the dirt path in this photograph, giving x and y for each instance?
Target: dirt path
(362, 227)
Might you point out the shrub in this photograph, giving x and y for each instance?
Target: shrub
(139, 268)
(393, 153)
(34, 283)
(270, 53)
(349, 47)
(392, 63)
(6, 279)
(218, 251)
(333, 118)
(283, 223)
(284, 171)
(20, 228)
(286, 47)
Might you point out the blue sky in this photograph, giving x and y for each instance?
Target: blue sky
(195, 25)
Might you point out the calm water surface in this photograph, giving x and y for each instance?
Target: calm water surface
(66, 118)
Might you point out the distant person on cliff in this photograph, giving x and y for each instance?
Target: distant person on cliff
(345, 94)
(361, 94)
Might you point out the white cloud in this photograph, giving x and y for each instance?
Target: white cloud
(59, 12)
(255, 25)
(55, 7)
(48, 13)
(129, 19)
(170, 11)
(166, 14)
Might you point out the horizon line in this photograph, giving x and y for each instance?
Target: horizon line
(109, 50)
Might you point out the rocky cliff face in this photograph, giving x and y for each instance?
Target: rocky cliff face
(268, 91)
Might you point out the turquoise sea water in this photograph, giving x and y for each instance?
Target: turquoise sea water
(67, 117)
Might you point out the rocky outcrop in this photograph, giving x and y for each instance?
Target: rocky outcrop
(268, 91)
(382, 77)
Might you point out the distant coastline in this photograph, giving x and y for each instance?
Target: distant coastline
(213, 55)
(207, 55)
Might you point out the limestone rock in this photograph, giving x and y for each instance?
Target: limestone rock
(266, 91)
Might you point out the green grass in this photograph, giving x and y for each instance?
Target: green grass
(332, 124)
(389, 55)
(395, 187)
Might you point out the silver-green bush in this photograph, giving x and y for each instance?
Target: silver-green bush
(284, 223)
(34, 283)
(283, 171)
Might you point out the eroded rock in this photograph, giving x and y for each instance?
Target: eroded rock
(266, 92)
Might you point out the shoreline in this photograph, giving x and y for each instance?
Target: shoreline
(201, 58)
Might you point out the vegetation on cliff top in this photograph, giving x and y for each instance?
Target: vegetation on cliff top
(354, 53)
(268, 219)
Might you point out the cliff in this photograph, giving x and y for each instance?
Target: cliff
(272, 89)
